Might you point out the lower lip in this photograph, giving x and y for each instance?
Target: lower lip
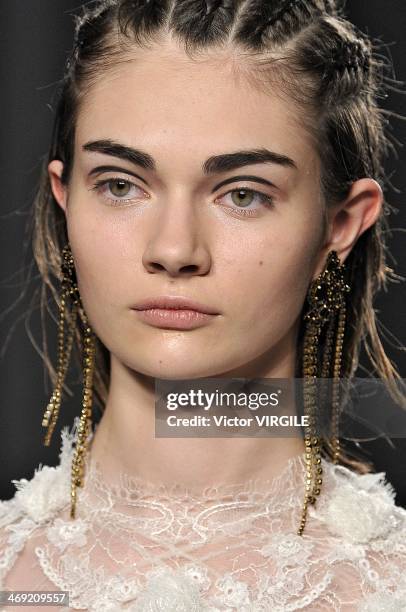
(174, 319)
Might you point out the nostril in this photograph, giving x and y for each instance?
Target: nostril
(157, 266)
(189, 268)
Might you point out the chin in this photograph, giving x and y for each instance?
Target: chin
(171, 369)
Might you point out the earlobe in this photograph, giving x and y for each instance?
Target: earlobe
(354, 216)
(55, 169)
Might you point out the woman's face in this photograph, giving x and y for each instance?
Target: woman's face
(245, 247)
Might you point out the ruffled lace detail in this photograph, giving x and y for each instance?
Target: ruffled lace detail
(152, 547)
(361, 508)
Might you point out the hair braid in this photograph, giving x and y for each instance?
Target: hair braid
(141, 17)
(278, 21)
(201, 22)
(212, 6)
(347, 70)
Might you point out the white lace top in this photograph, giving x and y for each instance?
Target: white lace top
(145, 547)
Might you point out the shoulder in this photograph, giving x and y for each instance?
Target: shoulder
(367, 537)
(361, 507)
(35, 502)
(46, 492)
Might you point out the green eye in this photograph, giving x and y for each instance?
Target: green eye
(119, 187)
(242, 197)
(242, 201)
(118, 190)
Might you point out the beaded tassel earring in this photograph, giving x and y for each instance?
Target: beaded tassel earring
(326, 298)
(70, 290)
(85, 424)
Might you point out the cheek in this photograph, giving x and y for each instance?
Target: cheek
(99, 250)
(268, 277)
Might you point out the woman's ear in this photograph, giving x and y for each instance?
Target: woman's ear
(349, 219)
(352, 217)
(55, 169)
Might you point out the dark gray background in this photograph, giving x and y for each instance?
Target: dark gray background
(35, 36)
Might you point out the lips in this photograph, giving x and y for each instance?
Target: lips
(172, 312)
(174, 303)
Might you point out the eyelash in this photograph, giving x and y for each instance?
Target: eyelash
(266, 200)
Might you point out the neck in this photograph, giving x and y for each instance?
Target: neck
(124, 441)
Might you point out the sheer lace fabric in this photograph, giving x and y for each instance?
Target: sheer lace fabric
(146, 547)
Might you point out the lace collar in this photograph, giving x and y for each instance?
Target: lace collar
(129, 488)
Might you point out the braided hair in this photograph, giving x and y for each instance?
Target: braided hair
(321, 61)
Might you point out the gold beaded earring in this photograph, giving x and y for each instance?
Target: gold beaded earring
(326, 299)
(70, 290)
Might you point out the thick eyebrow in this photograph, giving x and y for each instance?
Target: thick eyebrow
(115, 149)
(213, 165)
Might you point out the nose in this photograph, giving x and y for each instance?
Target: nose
(177, 245)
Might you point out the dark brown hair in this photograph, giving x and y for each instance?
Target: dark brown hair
(320, 61)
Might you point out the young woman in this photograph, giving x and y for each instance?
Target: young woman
(212, 207)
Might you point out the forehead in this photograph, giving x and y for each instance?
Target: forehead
(171, 102)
